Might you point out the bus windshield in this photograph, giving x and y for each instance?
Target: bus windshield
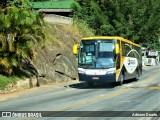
(96, 54)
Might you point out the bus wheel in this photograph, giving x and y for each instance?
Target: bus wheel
(121, 80)
(90, 84)
(137, 75)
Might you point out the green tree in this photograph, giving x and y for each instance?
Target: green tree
(137, 20)
(20, 32)
(90, 12)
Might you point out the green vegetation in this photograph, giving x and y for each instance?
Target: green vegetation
(6, 80)
(132, 19)
(45, 4)
(21, 31)
(78, 30)
(18, 75)
(83, 28)
(22, 34)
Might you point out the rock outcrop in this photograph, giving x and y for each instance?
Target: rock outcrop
(56, 62)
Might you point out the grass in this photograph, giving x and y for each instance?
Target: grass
(78, 30)
(4, 81)
(49, 36)
(18, 75)
(83, 28)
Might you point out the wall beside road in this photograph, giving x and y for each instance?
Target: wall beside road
(54, 19)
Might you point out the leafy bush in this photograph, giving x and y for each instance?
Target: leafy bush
(134, 20)
(84, 28)
(21, 31)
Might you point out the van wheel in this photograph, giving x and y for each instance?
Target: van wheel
(90, 84)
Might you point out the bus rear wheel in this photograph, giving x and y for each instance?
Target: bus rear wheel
(137, 75)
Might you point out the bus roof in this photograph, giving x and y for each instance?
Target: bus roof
(111, 37)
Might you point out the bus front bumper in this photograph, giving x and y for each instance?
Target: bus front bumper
(97, 78)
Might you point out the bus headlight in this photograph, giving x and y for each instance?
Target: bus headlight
(110, 72)
(82, 72)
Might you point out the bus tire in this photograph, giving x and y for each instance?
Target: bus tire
(90, 84)
(137, 75)
(121, 80)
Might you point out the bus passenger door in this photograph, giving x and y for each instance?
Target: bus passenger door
(118, 59)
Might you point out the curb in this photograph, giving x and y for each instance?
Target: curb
(20, 85)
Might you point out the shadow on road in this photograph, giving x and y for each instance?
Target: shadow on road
(84, 85)
(144, 70)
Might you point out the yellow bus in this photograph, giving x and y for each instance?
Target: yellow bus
(108, 59)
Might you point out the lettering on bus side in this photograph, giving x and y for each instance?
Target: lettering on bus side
(131, 62)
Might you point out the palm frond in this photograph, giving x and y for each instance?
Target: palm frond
(5, 63)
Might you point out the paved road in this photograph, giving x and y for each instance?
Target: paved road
(143, 95)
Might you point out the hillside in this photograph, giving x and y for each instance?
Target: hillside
(55, 61)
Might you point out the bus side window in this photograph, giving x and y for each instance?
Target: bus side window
(131, 54)
(138, 53)
(123, 49)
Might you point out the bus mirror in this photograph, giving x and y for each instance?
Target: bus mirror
(117, 49)
(75, 49)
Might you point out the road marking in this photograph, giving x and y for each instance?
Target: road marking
(101, 95)
(154, 87)
(128, 85)
(108, 96)
(126, 101)
(98, 99)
